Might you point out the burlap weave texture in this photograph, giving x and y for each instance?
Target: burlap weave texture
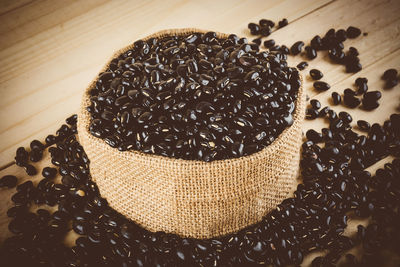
(194, 198)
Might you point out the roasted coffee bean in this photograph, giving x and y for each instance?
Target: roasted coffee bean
(30, 169)
(310, 52)
(390, 74)
(362, 85)
(311, 114)
(257, 41)
(321, 86)
(353, 32)
(254, 28)
(9, 181)
(35, 155)
(315, 104)
(351, 101)
(72, 120)
(49, 172)
(36, 144)
(266, 23)
(269, 43)
(316, 74)
(336, 98)
(296, 48)
(282, 23)
(363, 125)
(302, 65)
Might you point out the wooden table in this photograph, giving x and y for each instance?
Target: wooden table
(51, 50)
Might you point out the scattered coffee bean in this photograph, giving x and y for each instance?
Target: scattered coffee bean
(302, 65)
(316, 74)
(321, 86)
(336, 98)
(269, 43)
(282, 23)
(296, 48)
(9, 181)
(353, 32)
(49, 172)
(351, 101)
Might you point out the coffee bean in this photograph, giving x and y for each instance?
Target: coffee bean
(321, 86)
(9, 181)
(254, 28)
(363, 125)
(390, 74)
(49, 172)
(295, 49)
(336, 98)
(353, 32)
(310, 52)
(302, 65)
(316, 74)
(269, 43)
(282, 23)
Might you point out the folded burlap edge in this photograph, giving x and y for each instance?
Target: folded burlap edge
(194, 198)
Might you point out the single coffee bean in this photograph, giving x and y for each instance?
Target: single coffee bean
(316, 74)
(351, 101)
(269, 43)
(353, 32)
(282, 23)
(302, 65)
(310, 52)
(295, 49)
(9, 181)
(321, 86)
(336, 98)
(49, 172)
(363, 125)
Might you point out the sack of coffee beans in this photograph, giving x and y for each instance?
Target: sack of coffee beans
(193, 132)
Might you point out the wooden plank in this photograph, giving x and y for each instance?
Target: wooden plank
(52, 68)
(34, 17)
(11, 5)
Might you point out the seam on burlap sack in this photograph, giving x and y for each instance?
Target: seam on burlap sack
(194, 198)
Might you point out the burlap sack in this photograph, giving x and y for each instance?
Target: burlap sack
(194, 198)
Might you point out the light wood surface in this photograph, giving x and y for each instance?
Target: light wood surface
(51, 50)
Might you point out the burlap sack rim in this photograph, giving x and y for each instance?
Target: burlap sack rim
(84, 121)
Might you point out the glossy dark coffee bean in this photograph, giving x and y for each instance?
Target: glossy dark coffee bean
(315, 104)
(302, 65)
(282, 23)
(310, 52)
(296, 48)
(353, 32)
(351, 101)
(321, 86)
(36, 144)
(35, 155)
(9, 181)
(363, 125)
(49, 172)
(257, 41)
(311, 114)
(362, 85)
(269, 43)
(316, 74)
(336, 98)
(30, 169)
(72, 120)
(254, 28)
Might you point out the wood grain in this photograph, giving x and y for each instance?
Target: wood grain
(51, 50)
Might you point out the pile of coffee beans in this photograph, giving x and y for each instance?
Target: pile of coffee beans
(335, 188)
(195, 97)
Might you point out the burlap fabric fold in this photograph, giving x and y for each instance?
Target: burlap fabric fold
(194, 198)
